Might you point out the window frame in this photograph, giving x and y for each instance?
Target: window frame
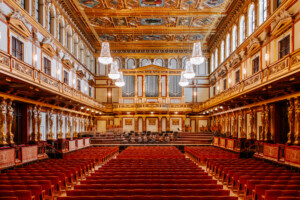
(237, 72)
(66, 77)
(280, 56)
(46, 67)
(242, 31)
(78, 84)
(255, 64)
(17, 48)
(251, 20)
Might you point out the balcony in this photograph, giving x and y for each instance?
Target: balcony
(283, 68)
(23, 72)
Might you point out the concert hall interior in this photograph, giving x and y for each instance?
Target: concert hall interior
(149, 99)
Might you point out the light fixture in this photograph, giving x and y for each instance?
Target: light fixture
(120, 82)
(244, 71)
(197, 57)
(82, 107)
(229, 80)
(87, 109)
(176, 113)
(105, 57)
(35, 57)
(221, 107)
(114, 73)
(183, 81)
(152, 112)
(128, 113)
(189, 70)
(266, 56)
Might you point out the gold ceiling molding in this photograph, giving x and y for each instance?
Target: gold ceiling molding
(17, 21)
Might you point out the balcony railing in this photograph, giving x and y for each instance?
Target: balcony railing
(286, 66)
(154, 106)
(32, 75)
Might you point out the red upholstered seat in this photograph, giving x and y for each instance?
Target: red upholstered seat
(36, 190)
(274, 194)
(21, 194)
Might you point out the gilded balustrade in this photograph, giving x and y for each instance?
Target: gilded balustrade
(26, 72)
(281, 68)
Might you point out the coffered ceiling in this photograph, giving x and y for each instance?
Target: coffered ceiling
(148, 24)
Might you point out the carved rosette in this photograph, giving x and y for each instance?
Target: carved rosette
(3, 110)
(291, 115)
(9, 120)
(50, 133)
(33, 122)
(297, 121)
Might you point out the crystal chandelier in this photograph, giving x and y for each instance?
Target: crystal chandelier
(197, 57)
(114, 73)
(189, 71)
(120, 82)
(105, 57)
(183, 81)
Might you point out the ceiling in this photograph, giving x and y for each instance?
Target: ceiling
(148, 24)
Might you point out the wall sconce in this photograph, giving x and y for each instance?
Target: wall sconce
(128, 113)
(152, 112)
(74, 81)
(35, 57)
(176, 113)
(87, 109)
(244, 71)
(108, 94)
(267, 56)
(195, 93)
(82, 107)
(229, 80)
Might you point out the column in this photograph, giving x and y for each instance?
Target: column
(144, 124)
(9, 119)
(267, 123)
(75, 134)
(33, 124)
(60, 124)
(3, 110)
(252, 136)
(168, 123)
(68, 124)
(50, 118)
(263, 121)
(136, 124)
(183, 125)
(81, 125)
(291, 115)
(243, 133)
(159, 124)
(297, 121)
(228, 133)
(38, 123)
(235, 125)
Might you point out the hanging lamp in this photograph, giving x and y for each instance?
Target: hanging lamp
(189, 70)
(183, 81)
(105, 57)
(114, 73)
(120, 82)
(197, 57)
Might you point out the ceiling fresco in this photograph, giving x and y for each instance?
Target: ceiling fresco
(150, 23)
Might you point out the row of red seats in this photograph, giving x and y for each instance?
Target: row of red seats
(156, 173)
(98, 154)
(46, 179)
(201, 154)
(254, 178)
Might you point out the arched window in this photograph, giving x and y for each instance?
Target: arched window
(145, 62)
(119, 64)
(234, 38)
(81, 52)
(87, 59)
(173, 63)
(222, 51)
(69, 41)
(51, 22)
(75, 47)
(242, 29)
(227, 45)
(262, 11)
(251, 19)
(25, 4)
(130, 63)
(158, 62)
(37, 10)
(216, 59)
(212, 61)
(184, 60)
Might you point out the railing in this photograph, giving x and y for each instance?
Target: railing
(27, 73)
(281, 68)
(154, 106)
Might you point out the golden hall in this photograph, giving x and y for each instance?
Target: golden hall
(149, 99)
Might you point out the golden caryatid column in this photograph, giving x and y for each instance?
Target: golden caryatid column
(38, 123)
(33, 124)
(291, 116)
(144, 124)
(68, 122)
(3, 110)
(263, 121)
(297, 121)
(159, 125)
(183, 124)
(60, 124)
(136, 124)
(243, 132)
(235, 125)
(168, 123)
(267, 123)
(75, 134)
(251, 120)
(9, 121)
(50, 119)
